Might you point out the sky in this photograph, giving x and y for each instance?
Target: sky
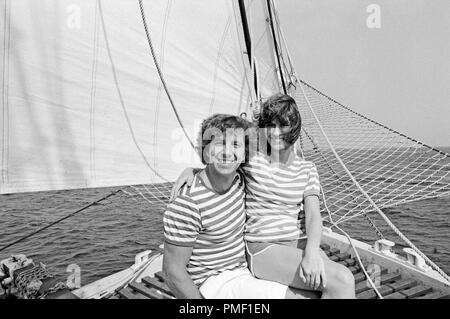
(393, 67)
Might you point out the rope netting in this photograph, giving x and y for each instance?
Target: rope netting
(391, 168)
(152, 194)
(365, 166)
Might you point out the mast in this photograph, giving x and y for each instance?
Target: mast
(248, 44)
(277, 53)
(248, 40)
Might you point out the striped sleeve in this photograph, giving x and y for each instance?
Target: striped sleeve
(182, 222)
(313, 184)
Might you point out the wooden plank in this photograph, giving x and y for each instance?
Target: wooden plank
(385, 290)
(350, 262)
(396, 295)
(343, 256)
(334, 258)
(368, 294)
(127, 294)
(435, 295)
(361, 287)
(416, 291)
(371, 294)
(343, 262)
(334, 251)
(157, 285)
(354, 269)
(364, 286)
(148, 292)
(355, 263)
(402, 284)
(160, 276)
(389, 278)
(360, 276)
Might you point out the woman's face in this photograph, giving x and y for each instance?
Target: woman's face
(275, 136)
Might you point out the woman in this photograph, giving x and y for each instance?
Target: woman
(284, 225)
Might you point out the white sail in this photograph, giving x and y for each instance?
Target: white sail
(82, 102)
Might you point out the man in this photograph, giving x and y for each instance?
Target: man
(204, 250)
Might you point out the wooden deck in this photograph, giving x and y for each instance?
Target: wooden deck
(392, 285)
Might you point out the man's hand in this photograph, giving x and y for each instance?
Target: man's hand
(312, 270)
(186, 177)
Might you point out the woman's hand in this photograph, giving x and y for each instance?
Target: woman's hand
(312, 270)
(186, 177)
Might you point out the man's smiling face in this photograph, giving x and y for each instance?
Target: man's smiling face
(226, 152)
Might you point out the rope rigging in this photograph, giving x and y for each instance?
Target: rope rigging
(275, 44)
(158, 69)
(338, 177)
(290, 71)
(375, 122)
(98, 201)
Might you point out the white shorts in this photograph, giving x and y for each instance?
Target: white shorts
(241, 284)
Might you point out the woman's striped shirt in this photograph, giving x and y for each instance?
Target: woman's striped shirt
(275, 196)
(212, 223)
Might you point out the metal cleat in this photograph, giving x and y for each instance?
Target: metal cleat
(142, 257)
(415, 259)
(384, 246)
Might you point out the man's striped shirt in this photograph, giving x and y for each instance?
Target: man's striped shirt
(275, 197)
(212, 223)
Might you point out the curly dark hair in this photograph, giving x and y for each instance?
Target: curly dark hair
(218, 123)
(281, 109)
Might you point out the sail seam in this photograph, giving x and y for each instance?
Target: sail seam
(158, 96)
(93, 92)
(217, 62)
(5, 90)
(122, 103)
